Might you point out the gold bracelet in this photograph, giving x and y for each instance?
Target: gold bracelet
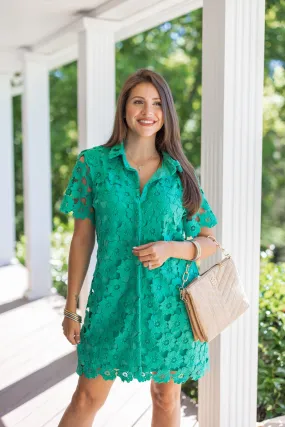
(198, 248)
(69, 317)
(76, 319)
(70, 313)
(73, 316)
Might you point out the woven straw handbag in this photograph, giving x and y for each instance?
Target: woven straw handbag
(214, 299)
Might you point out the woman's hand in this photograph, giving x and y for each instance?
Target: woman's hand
(71, 330)
(155, 253)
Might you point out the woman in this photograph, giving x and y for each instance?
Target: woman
(142, 196)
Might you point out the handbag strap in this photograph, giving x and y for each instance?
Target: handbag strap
(186, 272)
(218, 244)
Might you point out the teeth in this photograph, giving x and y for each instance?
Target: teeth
(145, 121)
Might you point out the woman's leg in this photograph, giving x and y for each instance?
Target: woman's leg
(165, 403)
(88, 398)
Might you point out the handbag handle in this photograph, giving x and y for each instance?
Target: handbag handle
(188, 264)
(218, 244)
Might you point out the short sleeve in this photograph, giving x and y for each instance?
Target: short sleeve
(205, 217)
(78, 196)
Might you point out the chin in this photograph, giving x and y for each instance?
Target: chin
(146, 135)
(147, 132)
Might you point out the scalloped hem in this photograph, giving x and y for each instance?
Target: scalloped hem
(77, 215)
(180, 377)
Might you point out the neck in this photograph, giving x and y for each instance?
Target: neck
(140, 148)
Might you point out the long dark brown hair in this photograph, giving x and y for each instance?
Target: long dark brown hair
(167, 138)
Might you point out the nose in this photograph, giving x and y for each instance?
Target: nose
(147, 109)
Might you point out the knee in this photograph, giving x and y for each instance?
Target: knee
(165, 400)
(84, 400)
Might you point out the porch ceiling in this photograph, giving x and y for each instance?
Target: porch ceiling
(48, 27)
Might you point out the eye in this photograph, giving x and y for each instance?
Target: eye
(156, 103)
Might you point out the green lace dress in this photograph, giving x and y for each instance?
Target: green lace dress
(135, 325)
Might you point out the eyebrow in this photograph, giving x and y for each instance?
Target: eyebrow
(142, 97)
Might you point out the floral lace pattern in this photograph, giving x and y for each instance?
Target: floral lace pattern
(78, 195)
(135, 325)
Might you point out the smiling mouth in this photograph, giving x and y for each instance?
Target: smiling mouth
(146, 122)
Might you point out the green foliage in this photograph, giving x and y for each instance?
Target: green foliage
(64, 136)
(64, 140)
(271, 355)
(60, 243)
(18, 168)
(271, 360)
(273, 165)
(21, 250)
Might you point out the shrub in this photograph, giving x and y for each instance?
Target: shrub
(271, 360)
(271, 354)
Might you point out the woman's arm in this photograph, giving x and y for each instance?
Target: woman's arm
(81, 248)
(187, 250)
(157, 253)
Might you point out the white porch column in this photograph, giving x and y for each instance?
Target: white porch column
(37, 174)
(233, 55)
(7, 212)
(96, 99)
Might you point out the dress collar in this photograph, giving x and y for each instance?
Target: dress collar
(173, 164)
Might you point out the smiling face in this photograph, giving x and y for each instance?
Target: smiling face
(144, 113)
